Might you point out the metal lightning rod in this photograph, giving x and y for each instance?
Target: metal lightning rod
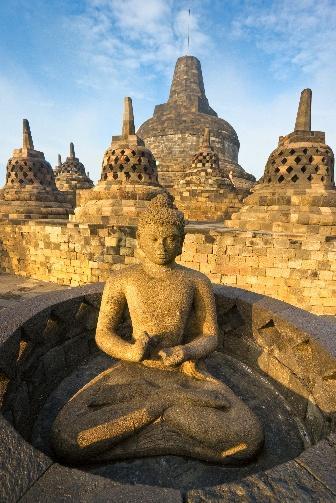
(188, 31)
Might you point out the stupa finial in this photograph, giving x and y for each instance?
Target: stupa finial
(59, 163)
(205, 142)
(128, 127)
(303, 117)
(72, 151)
(27, 137)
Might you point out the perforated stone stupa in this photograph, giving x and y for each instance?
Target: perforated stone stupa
(128, 179)
(297, 192)
(71, 175)
(30, 190)
(204, 193)
(175, 131)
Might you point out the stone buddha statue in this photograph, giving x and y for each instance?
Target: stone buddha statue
(157, 398)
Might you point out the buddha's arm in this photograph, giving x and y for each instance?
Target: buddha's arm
(206, 321)
(111, 310)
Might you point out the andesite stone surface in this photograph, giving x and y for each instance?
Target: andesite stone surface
(176, 129)
(30, 191)
(158, 399)
(297, 191)
(204, 194)
(128, 179)
(71, 175)
(242, 318)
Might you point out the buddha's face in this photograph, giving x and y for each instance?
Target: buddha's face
(160, 243)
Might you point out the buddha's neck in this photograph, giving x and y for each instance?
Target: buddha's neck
(157, 270)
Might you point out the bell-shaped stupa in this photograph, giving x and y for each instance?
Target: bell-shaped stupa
(71, 175)
(30, 190)
(175, 131)
(128, 179)
(204, 193)
(297, 192)
(127, 161)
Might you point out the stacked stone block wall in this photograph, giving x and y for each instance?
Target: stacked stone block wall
(297, 268)
(174, 153)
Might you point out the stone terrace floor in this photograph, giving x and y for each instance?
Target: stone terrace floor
(14, 289)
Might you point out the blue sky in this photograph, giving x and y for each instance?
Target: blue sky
(66, 66)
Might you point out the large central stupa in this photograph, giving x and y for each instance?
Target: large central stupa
(175, 131)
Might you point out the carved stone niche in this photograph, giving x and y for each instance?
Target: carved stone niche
(280, 359)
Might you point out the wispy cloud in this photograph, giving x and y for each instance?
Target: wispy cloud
(300, 36)
(121, 39)
(256, 58)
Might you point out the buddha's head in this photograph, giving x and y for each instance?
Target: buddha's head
(161, 230)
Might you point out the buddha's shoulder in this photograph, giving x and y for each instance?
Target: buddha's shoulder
(123, 275)
(192, 275)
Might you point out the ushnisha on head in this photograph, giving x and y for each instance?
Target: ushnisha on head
(161, 230)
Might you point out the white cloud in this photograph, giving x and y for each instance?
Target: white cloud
(299, 40)
(119, 38)
(298, 35)
(129, 48)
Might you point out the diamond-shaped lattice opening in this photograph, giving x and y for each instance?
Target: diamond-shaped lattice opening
(121, 168)
(25, 174)
(140, 176)
(139, 161)
(292, 151)
(317, 169)
(317, 151)
(310, 177)
(323, 159)
(305, 150)
(289, 169)
(133, 152)
(145, 169)
(134, 168)
(126, 158)
(297, 159)
(273, 161)
(277, 170)
(127, 175)
(116, 160)
(303, 169)
(310, 159)
(294, 178)
(122, 151)
(113, 152)
(269, 180)
(115, 176)
(322, 178)
(21, 181)
(281, 179)
(284, 160)
(280, 153)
